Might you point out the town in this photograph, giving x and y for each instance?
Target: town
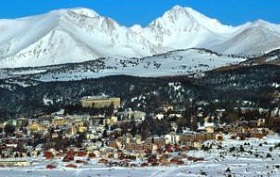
(99, 128)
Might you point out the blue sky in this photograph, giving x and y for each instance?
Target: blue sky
(129, 12)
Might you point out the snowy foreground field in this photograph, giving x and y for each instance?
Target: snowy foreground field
(257, 158)
(239, 167)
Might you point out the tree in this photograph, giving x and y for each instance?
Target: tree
(268, 155)
(20, 147)
(210, 119)
(9, 129)
(228, 170)
(111, 109)
(133, 128)
(104, 134)
(231, 149)
(241, 149)
(201, 122)
(81, 137)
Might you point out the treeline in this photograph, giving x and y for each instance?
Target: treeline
(247, 83)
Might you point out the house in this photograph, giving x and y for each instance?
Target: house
(159, 116)
(167, 107)
(72, 131)
(127, 138)
(138, 116)
(159, 141)
(97, 120)
(174, 126)
(48, 155)
(111, 120)
(129, 114)
(79, 119)
(197, 144)
(137, 139)
(172, 138)
(51, 166)
(102, 160)
(114, 144)
(82, 129)
(58, 121)
(210, 128)
(97, 153)
(45, 120)
(130, 146)
(149, 147)
(261, 122)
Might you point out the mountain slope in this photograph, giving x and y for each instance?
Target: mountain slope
(272, 57)
(255, 84)
(182, 62)
(254, 39)
(77, 35)
(68, 36)
(182, 28)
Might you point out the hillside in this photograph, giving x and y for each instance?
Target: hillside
(175, 63)
(254, 83)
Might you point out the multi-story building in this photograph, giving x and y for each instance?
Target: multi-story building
(100, 102)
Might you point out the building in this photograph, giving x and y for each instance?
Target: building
(14, 163)
(36, 127)
(100, 102)
(172, 138)
(59, 121)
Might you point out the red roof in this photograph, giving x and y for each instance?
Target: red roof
(71, 165)
(51, 166)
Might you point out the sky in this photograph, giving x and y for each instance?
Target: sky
(130, 12)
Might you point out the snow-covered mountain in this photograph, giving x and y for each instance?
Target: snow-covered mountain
(64, 36)
(181, 28)
(76, 35)
(254, 38)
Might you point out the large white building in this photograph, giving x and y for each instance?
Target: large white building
(100, 102)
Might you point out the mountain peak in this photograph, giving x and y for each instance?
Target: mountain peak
(177, 7)
(179, 11)
(188, 19)
(84, 11)
(260, 22)
(136, 28)
(264, 25)
(188, 10)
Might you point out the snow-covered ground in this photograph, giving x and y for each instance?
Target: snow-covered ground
(182, 62)
(185, 62)
(217, 162)
(238, 167)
